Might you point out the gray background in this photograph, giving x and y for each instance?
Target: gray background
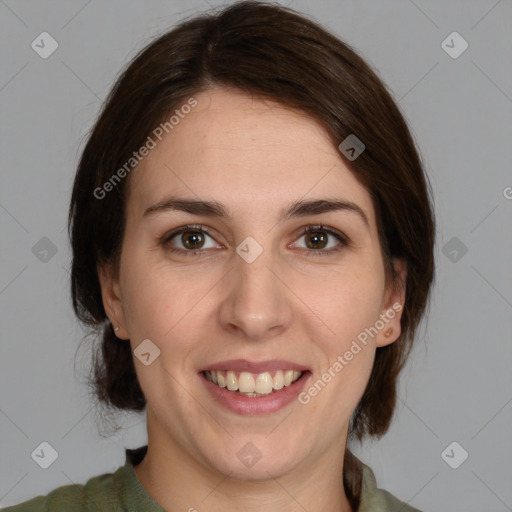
(458, 385)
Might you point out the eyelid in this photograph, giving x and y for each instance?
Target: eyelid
(168, 236)
(332, 231)
(342, 239)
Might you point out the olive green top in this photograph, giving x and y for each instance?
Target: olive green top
(122, 491)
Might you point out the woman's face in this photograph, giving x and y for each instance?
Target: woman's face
(246, 291)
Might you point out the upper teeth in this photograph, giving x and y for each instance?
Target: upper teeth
(262, 383)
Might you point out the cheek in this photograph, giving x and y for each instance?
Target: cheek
(159, 300)
(348, 305)
(347, 301)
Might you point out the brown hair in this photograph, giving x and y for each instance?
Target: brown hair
(271, 52)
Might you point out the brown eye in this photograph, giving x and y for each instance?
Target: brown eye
(192, 239)
(316, 240)
(188, 240)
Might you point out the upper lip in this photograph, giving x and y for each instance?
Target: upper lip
(243, 365)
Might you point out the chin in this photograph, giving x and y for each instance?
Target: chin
(256, 460)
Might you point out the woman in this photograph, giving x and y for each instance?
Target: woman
(252, 231)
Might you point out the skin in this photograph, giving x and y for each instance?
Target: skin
(255, 157)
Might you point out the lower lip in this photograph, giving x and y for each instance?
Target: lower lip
(248, 406)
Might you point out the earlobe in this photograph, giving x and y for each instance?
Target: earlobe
(387, 333)
(111, 299)
(394, 302)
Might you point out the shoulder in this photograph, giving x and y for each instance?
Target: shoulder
(99, 493)
(374, 499)
(114, 492)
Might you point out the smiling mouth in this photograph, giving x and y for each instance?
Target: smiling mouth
(253, 385)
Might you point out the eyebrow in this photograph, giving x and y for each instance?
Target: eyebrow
(296, 209)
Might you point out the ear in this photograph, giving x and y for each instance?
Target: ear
(393, 305)
(112, 300)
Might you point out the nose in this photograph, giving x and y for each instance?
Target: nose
(257, 302)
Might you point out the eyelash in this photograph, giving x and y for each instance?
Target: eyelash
(165, 239)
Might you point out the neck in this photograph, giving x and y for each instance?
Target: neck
(180, 482)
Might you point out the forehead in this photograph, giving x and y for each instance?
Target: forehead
(244, 151)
